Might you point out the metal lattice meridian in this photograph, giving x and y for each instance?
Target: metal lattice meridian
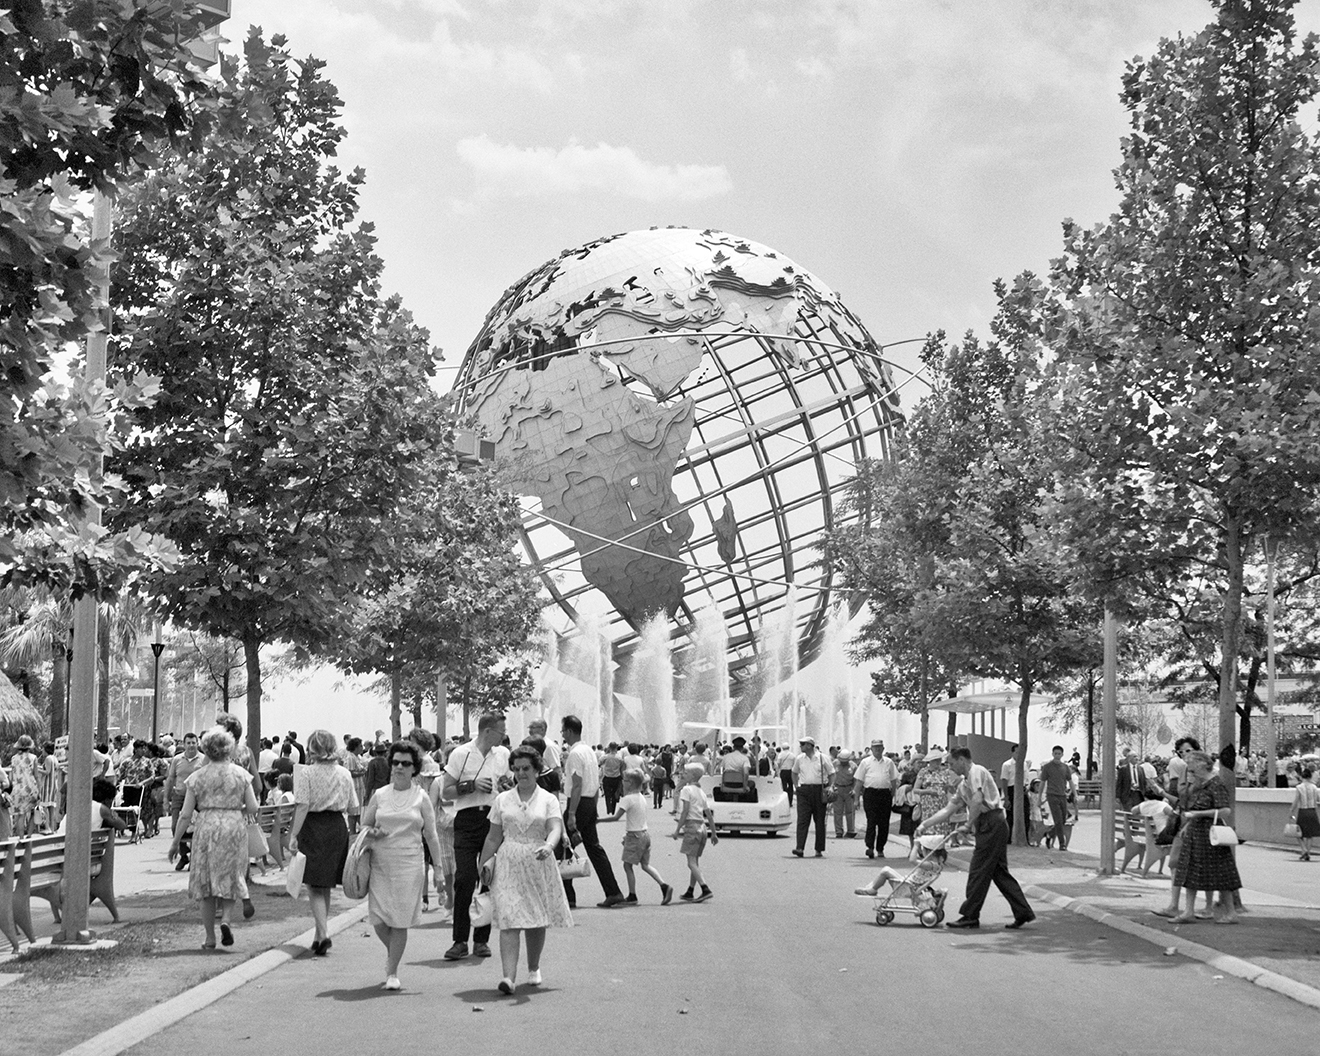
(682, 408)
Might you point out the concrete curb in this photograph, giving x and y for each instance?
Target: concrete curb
(125, 1035)
(1221, 962)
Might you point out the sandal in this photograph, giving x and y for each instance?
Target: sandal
(208, 945)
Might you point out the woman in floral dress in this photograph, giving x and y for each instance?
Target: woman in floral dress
(526, 825)
(935, 784)
(221, 794)
(25, 793)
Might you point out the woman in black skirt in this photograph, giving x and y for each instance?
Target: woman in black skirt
(1305, 816)
(1201, 865)
(322, 791)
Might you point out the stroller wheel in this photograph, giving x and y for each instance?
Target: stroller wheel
(884, 917)
(929, 918)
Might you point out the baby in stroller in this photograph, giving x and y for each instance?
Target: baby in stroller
(916, 886)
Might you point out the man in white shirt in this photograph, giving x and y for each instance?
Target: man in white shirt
(582, 784)
(811, 772)
(475, 774)
(980, 797)
(874, 782)
(785, 760)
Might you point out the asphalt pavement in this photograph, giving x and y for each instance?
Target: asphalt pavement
(784, 959)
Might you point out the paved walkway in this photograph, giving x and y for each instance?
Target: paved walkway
(786, 954)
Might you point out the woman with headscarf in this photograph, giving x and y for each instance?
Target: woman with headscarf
(935, 784)
(25, 787)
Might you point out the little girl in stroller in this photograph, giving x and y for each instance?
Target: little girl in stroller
(915, 889)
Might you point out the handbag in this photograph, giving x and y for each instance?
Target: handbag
(574, 865)
(294, 881)
(257, 846)
(357, 868)
(482, 909)
(1166, 835)
(1222, 835)
(1292, 829)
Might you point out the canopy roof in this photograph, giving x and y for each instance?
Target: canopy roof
(976, 703)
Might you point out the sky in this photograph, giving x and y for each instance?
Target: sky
(908, 152)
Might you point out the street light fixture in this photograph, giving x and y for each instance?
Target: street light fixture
(157, 647)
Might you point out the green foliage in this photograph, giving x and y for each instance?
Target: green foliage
(1186, 324)
(90, 95)
(295, 410)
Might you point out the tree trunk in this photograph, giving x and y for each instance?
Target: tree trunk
(103, 686)
(396, 713)
(58, 676)
(925, 701)
(950, 730)
(1019, 789)
(467, 707)
(252, 660)
(1232, 634)
(417, 708)
(1090, 723)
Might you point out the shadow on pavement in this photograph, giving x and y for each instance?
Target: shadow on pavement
(366, 993)
(490, 996)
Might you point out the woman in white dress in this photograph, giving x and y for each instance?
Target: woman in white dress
(397, 820)
(526, 825)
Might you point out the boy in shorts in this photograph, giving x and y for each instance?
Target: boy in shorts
(694, 821)
(637, 838)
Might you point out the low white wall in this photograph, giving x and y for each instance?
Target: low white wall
(1262, 813)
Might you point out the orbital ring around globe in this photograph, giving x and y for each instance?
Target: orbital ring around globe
(679, 452)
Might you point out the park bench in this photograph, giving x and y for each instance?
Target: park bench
(1088, 792)
(275, 822)
(1155, 852)
(1129, 837)
(35, 865)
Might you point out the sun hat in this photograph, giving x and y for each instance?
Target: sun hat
(935, 755)
(807, 740)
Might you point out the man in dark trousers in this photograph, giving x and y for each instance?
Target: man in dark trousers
(979, 795)
(1056, 776)
(582, 783)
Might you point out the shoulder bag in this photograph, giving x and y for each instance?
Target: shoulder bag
(357, 868)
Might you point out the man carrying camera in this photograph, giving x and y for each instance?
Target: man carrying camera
(475, 774)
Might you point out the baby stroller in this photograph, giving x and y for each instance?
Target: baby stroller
(914, 893)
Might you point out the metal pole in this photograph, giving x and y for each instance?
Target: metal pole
(82, 699)
(441, 706)
(1271, 742)
(1108, 753)
(157, 648)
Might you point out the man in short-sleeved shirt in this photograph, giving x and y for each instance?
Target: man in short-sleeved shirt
(811, 771)
(875, 781)
(1056, 776)
(979, 795)
(582, 784)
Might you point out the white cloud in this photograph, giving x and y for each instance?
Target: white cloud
(509, 171)
(739, 66)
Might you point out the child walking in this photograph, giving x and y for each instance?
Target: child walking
(637, 838)
(693, 822)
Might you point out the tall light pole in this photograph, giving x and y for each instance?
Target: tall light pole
(157, 647)
(82, 707)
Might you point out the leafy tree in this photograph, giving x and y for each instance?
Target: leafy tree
(90, 94)
(991, 590)
(1189, 320)
(459, 600)
(295, 406)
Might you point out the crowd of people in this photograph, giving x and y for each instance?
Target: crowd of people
(500, 830)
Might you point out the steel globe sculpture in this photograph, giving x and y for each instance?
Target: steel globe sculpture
(681, 409)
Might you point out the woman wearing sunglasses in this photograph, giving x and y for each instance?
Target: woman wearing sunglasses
(398, 819)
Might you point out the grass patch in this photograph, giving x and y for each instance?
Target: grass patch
(51, 965)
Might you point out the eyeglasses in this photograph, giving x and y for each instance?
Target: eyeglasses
(524, 769)
(401, 762)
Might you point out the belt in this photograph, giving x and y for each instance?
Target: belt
(479, 810)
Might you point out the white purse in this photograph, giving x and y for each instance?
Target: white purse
(1222, 835)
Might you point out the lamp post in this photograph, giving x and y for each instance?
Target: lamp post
(82, 708)
(157, 647)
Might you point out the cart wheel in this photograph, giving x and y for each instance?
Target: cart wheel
(884, 917)
(929, 918)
